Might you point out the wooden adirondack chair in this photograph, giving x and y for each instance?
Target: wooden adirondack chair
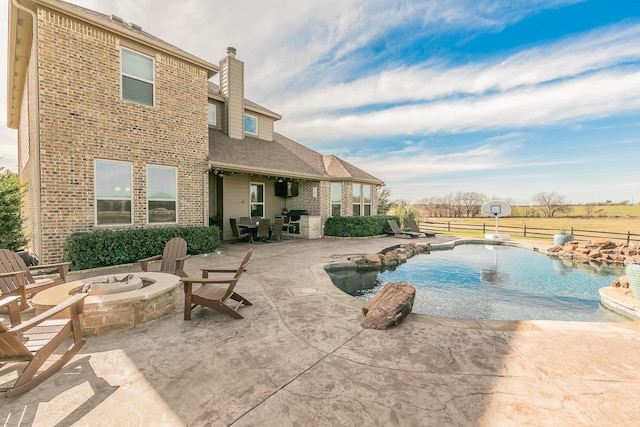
(16, 277)
(215, 297)
(173, 257)
(33, 342)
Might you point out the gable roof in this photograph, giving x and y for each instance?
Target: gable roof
(281, 157)
(21, 33)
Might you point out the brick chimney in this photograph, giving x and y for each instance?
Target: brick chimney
(232, 86)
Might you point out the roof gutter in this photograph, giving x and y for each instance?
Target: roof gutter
(251, 170)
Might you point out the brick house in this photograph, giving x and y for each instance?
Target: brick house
(119, 129)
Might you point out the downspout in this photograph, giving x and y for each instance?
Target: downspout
(36, 96)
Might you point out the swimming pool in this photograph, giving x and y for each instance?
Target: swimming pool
(498, 282)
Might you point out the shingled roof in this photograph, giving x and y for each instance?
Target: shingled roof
(282, 157)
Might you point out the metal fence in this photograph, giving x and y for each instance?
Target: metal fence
(524, 231)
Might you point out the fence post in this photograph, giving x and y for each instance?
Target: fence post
(628, 237)
(484, 231)
(572, 231)
(525, 230)
(448, 226)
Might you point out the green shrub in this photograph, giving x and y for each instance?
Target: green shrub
(11, 235)
(103, 248)
(358, 226)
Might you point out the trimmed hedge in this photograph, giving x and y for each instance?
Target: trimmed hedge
(358, 226)
(114, 247)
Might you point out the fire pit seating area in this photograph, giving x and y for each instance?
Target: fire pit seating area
(117, 302)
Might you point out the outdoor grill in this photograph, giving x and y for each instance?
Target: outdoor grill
(295, 214)
(294, 219)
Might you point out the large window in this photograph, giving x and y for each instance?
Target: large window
(212, 114)
(356, 193)
(336, 198)
(361, 194)
(367, 192)
(113, 192)
(162, 190)
(250, 124)
(137, 77)
(257, 199)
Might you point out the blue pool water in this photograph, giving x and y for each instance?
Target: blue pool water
(498, 282)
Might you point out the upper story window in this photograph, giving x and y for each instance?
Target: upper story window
(250, 124)
(162, 191)
(211, 109)
(113, 192)
(336, 198)
(137, 77)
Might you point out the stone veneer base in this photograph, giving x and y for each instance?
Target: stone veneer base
(104, 314)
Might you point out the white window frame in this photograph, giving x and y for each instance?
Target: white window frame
(356, 200)
(262, 203)
(245, 128)
(98, 198)
(337, 185)
(131, 76)
(211, 106)
(364, 202)
(155, 199)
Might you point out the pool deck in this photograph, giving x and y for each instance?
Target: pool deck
(300, 357)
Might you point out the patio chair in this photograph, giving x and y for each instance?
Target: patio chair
(237, 232)
(35, 340)
(276, 231)
(16, 277)
(246, 220)
(173, 257)
(264, 229)
(413, 226)
(215, 297)
(395, 228)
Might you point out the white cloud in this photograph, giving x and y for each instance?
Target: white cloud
(584, 98)
(591, 52)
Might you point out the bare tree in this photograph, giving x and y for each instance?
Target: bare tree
(551, 203)
(472, 203)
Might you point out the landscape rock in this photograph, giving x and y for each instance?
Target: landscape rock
(623, 281)
(392, 304)
(599, 250)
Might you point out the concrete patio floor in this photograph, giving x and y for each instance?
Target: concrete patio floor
(300, 357)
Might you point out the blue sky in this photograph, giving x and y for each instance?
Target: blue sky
(506, 98)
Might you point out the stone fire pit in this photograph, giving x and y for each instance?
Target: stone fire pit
(143, 297)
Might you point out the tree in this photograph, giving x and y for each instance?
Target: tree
(472, 203)
(551, 203)
(404, 213)
(11, 235)
(383, 200)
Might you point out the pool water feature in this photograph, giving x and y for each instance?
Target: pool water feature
(498, 282)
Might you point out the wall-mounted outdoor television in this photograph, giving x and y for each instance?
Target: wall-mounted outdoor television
(287, 189)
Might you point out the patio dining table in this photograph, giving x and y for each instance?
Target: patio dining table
(252, 228)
